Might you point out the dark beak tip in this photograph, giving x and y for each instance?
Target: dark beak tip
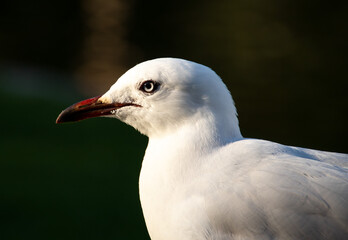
(78, 111)
(60, 118)
(67, 115)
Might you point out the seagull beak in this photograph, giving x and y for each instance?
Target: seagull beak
(89, 108)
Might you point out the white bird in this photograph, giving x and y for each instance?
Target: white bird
(200, 179)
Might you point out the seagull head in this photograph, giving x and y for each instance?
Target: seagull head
(161, 95)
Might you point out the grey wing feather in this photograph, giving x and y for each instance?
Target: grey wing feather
(287, 193)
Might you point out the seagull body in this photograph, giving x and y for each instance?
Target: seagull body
(201, 179)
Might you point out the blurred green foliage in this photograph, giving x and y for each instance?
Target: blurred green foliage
(70, 181)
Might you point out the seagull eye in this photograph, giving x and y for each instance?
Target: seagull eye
(149, 86)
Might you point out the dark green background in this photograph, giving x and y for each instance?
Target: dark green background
(285, 63)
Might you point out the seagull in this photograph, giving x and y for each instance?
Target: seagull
(201, 179)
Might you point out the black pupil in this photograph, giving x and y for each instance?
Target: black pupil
(148, 86)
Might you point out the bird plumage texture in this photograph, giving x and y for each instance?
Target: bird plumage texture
(201, 179)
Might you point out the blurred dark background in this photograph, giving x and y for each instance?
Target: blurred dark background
(285, 63)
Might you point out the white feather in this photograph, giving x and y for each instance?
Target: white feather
(200, 179)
